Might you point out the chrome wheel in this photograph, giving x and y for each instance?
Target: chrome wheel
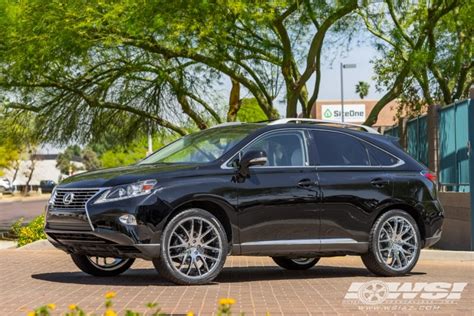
(302, 260)
(397, 243)
(107, 263)
(195, 247)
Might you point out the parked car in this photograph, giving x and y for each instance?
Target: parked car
(292, 189)
(5, 186)
(47, 186)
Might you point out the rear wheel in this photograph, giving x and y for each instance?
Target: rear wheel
(194, 248)
(102, 266)
(394, 244)
(302, 263)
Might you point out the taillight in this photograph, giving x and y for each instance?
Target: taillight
(429, 175)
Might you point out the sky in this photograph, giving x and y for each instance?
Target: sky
(331, 78)
(330, 88)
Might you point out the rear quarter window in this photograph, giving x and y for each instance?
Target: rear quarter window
(340, 149)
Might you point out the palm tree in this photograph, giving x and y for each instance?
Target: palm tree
(362, 88)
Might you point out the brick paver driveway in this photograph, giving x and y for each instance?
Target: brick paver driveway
(32, 278)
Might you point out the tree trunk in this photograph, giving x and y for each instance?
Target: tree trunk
(292, 103)
(433, 127)
(234, 101)
(30, 175)
(187, 109)
(402, 132)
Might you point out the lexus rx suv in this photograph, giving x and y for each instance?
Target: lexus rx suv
(292, 189)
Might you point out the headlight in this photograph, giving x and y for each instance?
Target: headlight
(127, 191)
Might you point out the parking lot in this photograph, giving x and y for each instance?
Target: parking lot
(30, 278)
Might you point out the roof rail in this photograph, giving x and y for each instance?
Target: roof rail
(226, 124)
(366, 128)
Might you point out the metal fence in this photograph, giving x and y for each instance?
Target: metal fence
(453, 144)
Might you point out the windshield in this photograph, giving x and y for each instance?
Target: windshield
(201, 147)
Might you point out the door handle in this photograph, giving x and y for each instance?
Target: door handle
(379, 182)
(306, 183)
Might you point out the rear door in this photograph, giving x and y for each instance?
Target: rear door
(355, 181)
(278, 202)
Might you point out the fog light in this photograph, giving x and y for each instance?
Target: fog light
(128, 219)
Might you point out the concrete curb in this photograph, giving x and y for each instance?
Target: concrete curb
(446, 255)
(38, 245)
(7, 244)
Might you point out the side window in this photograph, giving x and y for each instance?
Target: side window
(379, 157)
(338, 149)
(282, 148)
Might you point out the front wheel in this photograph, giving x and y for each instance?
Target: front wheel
(295, 263)
(394, 244)
(194, 248)
(102, 266)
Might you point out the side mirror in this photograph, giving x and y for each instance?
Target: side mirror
(251, 158)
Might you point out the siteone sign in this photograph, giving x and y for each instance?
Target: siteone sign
(352, 112)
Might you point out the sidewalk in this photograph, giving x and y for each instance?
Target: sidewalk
(32, 278)
(6, 198)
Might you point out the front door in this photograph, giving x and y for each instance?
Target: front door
(278, 202)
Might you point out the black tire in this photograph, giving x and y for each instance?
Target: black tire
(168, 268)
(295, 263)
(85, 264)
(374, 260)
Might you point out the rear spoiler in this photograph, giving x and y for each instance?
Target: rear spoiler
(394, 140)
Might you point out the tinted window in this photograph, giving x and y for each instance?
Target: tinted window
(380, 158)
(339, 149)
(282, 149)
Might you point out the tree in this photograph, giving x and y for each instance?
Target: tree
(405, 36)
(127, 154)
(64, 159)
(90, 159)
(19, 141)
(362, 88)
(250, 111)
(87, 67)
(9, 155)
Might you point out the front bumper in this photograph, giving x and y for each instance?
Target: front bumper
(101, 242)
(96, 230)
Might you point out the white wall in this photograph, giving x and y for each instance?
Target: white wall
(44, 170)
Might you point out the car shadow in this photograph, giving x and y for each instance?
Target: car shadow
(137, 277)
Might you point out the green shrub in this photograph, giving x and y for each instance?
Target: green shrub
(33, 231)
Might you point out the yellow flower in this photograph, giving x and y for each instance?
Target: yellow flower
(31, 313)
(226, 301)
(110, 295)
(110, 312)
(51, 306)
(190, 314)
(72, 307)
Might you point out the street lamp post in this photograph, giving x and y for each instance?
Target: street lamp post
(342, 87)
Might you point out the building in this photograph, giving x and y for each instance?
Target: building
(355, 111)
(44, 168)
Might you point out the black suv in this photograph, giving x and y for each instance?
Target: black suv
(292, 189)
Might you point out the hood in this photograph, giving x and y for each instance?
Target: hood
(123, 175)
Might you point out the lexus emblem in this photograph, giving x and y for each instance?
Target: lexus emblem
(68, 197)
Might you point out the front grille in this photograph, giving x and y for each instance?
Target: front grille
(78, 201)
